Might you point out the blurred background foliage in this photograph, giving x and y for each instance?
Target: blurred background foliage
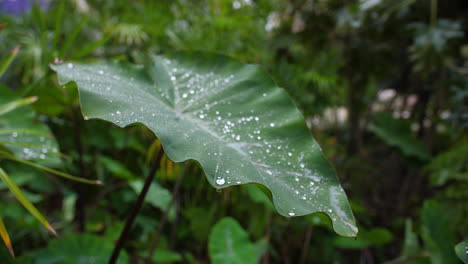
(381, 83)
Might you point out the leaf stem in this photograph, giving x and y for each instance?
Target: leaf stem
(136, 208)
(157, 235)
(433, 13)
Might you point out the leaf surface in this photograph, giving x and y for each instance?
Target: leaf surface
(462, 251)
(230, 117)
(22, 133)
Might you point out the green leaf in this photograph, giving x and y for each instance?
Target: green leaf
(462, 251)
(230, 244)
(46, 169)
(6, 238)
(78, 249)
(260, 247)
(437, 234)
(116, 168)
(15, 190)
(157, 196)
(166, 256)
(16, 103)
(230, 117)
(257, 195)
(23, 134)
(411, 243)
(8, 59)
(397, 133)
(372, 238)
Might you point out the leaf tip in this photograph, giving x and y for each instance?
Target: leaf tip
(10, 250)
(51, 229)
(15, 50)
(33, 99)
(98, 182)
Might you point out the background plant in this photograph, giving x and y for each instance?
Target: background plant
(344, 62)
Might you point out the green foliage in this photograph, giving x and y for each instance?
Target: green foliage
(79, 249)
(462, 251)
(397, 133)
(230, 244)
(438, 234)
(342, 62)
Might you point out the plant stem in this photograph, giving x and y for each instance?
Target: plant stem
(136, 208)
(306, 245)
(433, 13)
(157, 235)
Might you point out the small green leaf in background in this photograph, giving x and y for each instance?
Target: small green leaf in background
(411, 244)
(230, 244)
(372, 238)
(166, 256)
(116, 168)
(397, 133)
(77, 249)
(157, 195)
(461, 249)
(23, 134)
(437, 234)
(450, 165)
(258, 195)
(230, 117)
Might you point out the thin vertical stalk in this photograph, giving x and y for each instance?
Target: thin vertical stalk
(157, 235)
(306, 245)
(433, 13)
(136, 208)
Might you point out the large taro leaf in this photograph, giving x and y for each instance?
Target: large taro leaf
(230, 117)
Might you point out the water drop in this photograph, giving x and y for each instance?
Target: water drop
(15, 134)
(292, 212)
(173, 78)
(289, 154)
(118, 112)
(272, 124)
(70, 65)
(220, 181)
(101, 72)
(302, 165)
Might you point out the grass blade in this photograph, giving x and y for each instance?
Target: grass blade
(46, 169)
(72, 37)
(15, 190)
(5, 62)
(16, 103)
(6, 238)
